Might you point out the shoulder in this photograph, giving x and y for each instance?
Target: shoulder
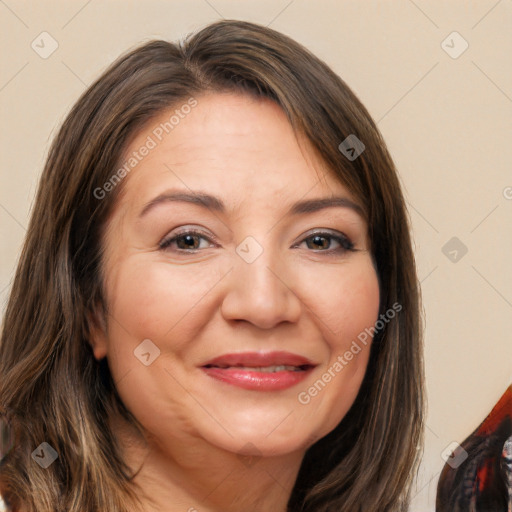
(5, 506)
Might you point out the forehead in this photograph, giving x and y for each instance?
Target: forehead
(235, 146)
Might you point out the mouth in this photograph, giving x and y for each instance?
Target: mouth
(270, 371)
(265, 369)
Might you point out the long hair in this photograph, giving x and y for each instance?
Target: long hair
(51, 387)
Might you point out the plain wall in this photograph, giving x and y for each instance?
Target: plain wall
(447, 122)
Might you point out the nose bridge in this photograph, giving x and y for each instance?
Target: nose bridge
(258, 290)
(260, 272)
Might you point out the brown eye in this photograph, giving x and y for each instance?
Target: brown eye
(322, 242)
(185, 241)
(319, 241)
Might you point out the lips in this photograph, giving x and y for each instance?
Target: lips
(259, 371)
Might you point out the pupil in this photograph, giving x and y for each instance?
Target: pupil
(189, 241)
(316, 240)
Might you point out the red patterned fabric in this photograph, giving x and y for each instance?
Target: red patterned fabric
(483, 482)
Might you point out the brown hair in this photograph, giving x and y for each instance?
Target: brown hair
(51, 387)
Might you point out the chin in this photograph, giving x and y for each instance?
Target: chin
(256, 444)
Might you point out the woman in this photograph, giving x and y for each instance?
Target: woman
(216, 307)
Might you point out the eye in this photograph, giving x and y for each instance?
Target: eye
(190, 241)
(185, 241)
(322, 242)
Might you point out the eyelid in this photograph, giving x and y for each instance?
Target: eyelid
(334, 234)
(324, 231)
(184, 230)
(195, 231)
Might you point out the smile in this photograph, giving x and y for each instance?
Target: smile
(271, 371)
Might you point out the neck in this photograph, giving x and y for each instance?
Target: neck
(198, 477)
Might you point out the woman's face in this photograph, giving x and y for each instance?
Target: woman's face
(233, 318)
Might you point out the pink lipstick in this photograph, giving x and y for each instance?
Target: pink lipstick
(269, 371)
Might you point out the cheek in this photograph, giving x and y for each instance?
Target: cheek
(169, 306)
(153, 301)
(359, 303)
(346, 310)
(345, 300)
(156, 301)
(354, 311)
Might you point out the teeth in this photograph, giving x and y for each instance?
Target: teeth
(266, 369)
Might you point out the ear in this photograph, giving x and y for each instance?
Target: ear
(97, 333)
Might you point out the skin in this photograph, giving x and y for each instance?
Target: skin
(212, 446)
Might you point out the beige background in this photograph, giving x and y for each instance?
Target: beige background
(447, 122)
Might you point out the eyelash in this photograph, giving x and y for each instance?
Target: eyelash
(345, 243)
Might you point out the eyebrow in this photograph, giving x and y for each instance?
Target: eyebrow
(215, 204)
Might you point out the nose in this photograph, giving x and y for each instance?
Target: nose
(261, 293)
